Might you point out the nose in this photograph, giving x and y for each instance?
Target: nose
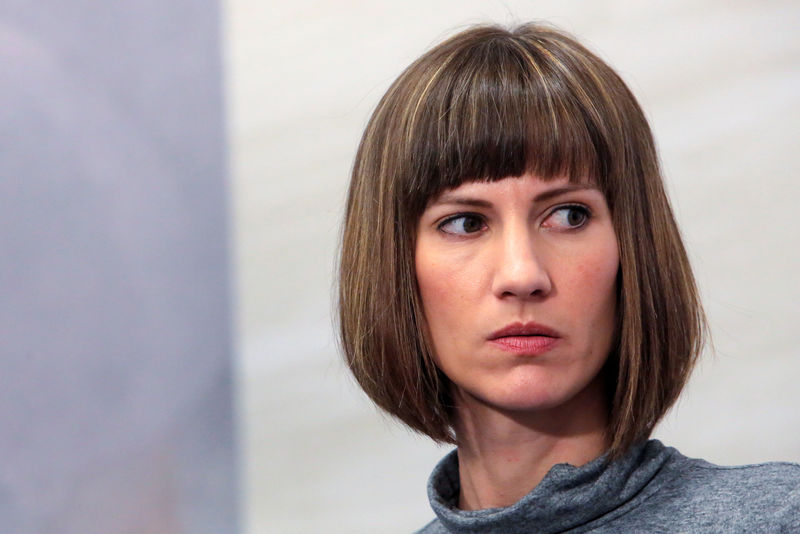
(520, 271)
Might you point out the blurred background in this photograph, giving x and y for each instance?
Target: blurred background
(172, 177)
(115, 304)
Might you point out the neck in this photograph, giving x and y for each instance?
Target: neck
(503, 455)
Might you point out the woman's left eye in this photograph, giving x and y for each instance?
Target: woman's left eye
(568, 217)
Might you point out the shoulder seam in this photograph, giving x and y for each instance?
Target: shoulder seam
(702, 464)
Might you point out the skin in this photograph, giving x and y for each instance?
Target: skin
(519, 250)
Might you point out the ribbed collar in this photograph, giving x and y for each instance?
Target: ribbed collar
(566, 498)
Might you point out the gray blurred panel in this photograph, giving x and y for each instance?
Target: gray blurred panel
(115, 394)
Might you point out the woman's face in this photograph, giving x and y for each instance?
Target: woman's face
(518, 283)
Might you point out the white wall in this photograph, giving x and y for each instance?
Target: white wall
(720, 82)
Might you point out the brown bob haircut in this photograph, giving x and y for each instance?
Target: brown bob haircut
(487, 104)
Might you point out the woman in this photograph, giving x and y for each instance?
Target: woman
(513, 281)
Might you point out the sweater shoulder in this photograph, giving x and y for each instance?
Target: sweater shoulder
(434, 527)
(752, 480)
(737, 497)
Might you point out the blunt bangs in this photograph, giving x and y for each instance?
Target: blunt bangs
(499, 107)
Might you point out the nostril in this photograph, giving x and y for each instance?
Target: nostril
(522, 278)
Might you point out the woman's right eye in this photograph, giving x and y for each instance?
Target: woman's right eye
(463, 224)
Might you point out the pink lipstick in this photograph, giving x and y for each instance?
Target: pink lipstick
(525, 339)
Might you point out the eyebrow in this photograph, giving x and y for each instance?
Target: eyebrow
(461, 200)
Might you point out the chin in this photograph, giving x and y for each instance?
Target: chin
(524, 398)
(538, 395)
(526, 402)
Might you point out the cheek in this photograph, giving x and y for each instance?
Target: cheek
(590, 285)
(432, 280)
(598, 281)
(446, 284)
(435, 288)
(433, 284)
(600, 274)
(449, 288)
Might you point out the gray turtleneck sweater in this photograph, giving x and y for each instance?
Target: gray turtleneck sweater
(652, 488)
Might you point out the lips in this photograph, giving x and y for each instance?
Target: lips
(527, 339)
(524, 329)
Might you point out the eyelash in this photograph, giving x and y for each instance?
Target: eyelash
(577, 207)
